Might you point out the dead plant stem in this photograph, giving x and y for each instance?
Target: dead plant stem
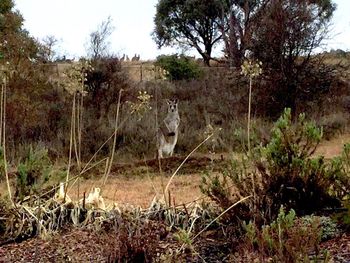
(216, 218)
(4, 140)
(179, 167)
(249, 110)
(70, 147)
(110, 163)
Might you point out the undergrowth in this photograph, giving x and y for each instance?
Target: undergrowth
(283, 173)
(33, 172)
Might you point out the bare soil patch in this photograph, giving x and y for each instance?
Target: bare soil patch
(140, 191)
(333, 147)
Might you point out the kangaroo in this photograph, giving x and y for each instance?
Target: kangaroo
(168, 130)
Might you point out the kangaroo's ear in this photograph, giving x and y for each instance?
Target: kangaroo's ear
(176, 101)
(168, 101)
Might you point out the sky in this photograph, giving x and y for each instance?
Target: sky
(71, 22)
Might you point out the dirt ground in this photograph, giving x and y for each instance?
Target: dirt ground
(141, 191)
(333, 147)
(139, 183)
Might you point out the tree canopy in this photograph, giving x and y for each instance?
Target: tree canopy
(98, 45)
(285, 39)
(16, 46)
(194, 24)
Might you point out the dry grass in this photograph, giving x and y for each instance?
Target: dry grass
(333, 147)
(140, 191)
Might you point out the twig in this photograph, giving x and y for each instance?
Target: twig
(3, 102)
(70, 147)
(178, 168)
(216, 218)
(115, 137)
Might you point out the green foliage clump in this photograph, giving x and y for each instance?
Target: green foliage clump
(329, 228)
(286, 239)
(178, 67)
(341, 185)
(32, 172)
(282, 173)
(295, 178)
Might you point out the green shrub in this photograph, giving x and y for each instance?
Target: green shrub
(328, 227)
(282, 173)
(32, 172)
(286, 239)
(341, 185)
(178, 67)
(342, 180)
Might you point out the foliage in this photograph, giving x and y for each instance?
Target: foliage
(178, 67)
(16, 46)
(341, 186)
(286, 239)
(74, 77)
(103, 82)
(183, 237)
(284, 39)
(282, 173)
(142, 105)
(329, 229)
(31, 97)
(33, 171)
(251, 68)
(194, 24)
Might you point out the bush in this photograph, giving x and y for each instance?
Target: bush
(328, 227)
(282, 173)
(32, 172)
(286, 239)
(178, 67)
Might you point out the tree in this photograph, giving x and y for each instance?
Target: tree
(103, 83)
(16, 46)
(284, 40)
(30, 97)
(194, 24)
(47, 50)
(98, 42)
(238, 25)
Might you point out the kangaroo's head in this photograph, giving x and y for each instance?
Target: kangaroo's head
(172, 105)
